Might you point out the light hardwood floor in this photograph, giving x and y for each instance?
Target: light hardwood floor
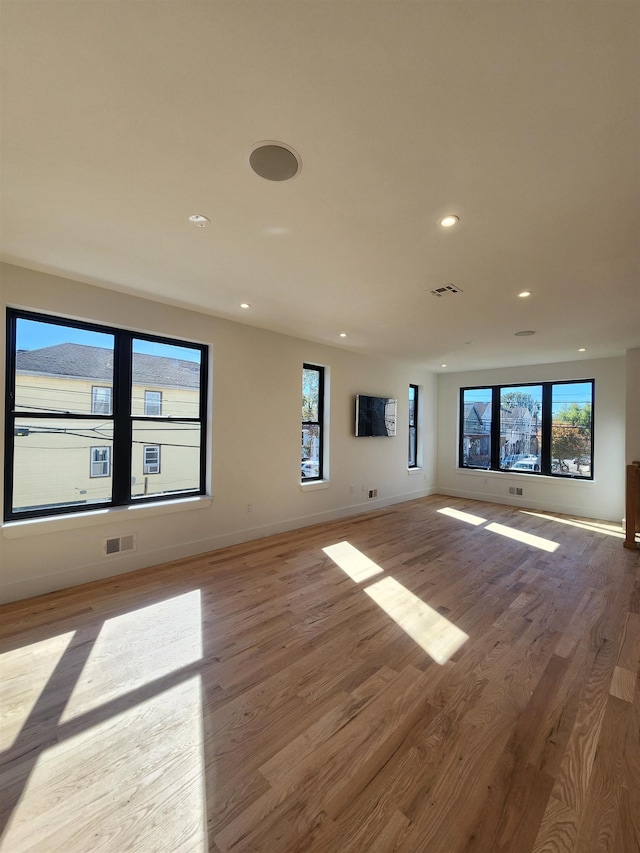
(447, 676)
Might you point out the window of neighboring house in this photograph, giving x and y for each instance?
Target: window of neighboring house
(542, 428)
(413, 426)
(312, 422)
(153, 403)
(151, 461)
(100, 400)
(53, 365)
(100, 461)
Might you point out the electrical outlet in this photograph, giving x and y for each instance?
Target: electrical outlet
(249, 507)
(351, 488)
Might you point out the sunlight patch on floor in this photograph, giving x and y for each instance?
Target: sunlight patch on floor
(462, 516)
(525, 538)
(439, 637)
(35, 663)
(138, 647)
(134, 781)
(612, 529)
(352, 561)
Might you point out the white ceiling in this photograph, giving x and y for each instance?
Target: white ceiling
(121, 118)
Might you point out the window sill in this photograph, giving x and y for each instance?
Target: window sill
(519, 475)
(412, 471)
(314, 486)
(35, 526)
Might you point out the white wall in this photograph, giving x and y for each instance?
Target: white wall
(255, 455)
(601, 498)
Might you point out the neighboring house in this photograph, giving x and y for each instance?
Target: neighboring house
(77, 379)
(477, 433)
(519, 431)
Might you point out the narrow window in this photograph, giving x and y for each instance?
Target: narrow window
(572, 429)
(100, 461)
(151, 462)
(521, 428)
(312, 420)
(153, 403)
(100, 400)
(475, 434)
(413, 426)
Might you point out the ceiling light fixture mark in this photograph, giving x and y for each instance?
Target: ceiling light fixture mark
(524, 334)
(524, 294)
(199, 220)
(343, 334)
(448, 221)
(245, 305)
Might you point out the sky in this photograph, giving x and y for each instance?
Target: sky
(32, 334)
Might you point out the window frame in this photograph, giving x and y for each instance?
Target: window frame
(413, 425)
(546, 425)
(122, 416)
(146, 465)
(147, 413)
(319, 423)
(106, 461)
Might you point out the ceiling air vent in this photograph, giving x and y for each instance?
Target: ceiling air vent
(448, 288)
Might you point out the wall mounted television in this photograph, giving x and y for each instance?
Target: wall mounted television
(375, 415)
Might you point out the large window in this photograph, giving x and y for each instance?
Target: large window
(78, 392)
(544, 428)
(413, 426)
(312, 420)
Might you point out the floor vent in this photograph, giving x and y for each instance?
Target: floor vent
(118, 544)
(448, 288)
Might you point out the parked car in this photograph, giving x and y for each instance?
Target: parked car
(529, 463)
(511, 459)
(309, 468)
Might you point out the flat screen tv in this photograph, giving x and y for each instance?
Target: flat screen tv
(375, 415)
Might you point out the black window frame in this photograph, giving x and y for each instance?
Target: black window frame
(413, 427)
(546, 464)
(122, 416)
(319, 423)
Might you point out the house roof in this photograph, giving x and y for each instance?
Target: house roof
(96, 363)
(522, 119)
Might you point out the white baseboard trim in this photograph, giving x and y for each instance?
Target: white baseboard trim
(124, 563)
(527, 503)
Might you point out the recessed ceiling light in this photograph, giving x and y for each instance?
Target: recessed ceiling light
(245, 305)
(275, 161)
(199, 220)
(582, 349)
(443, 365)
(524, 334)
(524, 294)
(343, 334)
(448, 221)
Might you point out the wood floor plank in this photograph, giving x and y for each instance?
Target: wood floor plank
(259, 698)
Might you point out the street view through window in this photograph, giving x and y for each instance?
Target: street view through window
(81, 434)
(544, 428)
